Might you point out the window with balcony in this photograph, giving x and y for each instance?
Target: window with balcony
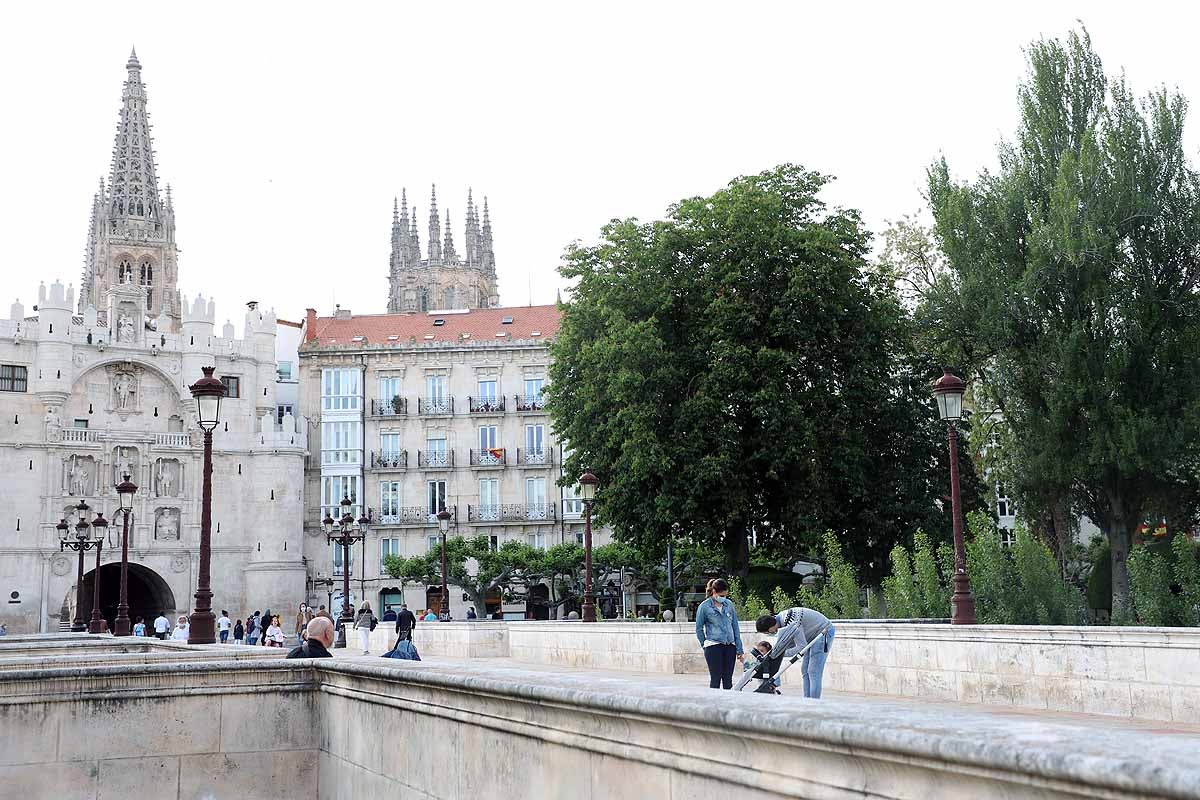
(435, 492)
(333, 489)
(14, 378)
(389, 445)
(233, 385)
(535, 498)
(535, 444)
(341, 389)
(389, 500)
(389, 395)
(490, 452)
(437, 399)
(489, 500)
(488, 395)
(341, 442)
(436, 454)
(532, 398)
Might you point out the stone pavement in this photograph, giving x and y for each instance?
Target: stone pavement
(613, 678)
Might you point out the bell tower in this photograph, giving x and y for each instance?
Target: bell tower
(131, 239)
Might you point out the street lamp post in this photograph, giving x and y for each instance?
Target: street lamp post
(208, 391)
(349, 532)
(328, 584)
(125, 491)
(948, 390)
(443, 518)
(82, 542)
(587, 492)
(99, 525)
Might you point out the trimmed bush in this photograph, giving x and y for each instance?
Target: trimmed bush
(900, 588)
(1150, 587)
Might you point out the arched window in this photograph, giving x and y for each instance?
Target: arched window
(147, 280)
(125, 271)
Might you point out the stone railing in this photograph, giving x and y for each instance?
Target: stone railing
(173, 439)
(1147, 673)
(340, 728)
(80, 436)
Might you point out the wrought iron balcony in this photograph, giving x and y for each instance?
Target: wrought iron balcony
(542, 457)
(486, 405)
(516, 512)
(395, 407)
(435, 406)
(411, 515)
(492, 457)
(390, 459)
(530, 402)
(435, 459)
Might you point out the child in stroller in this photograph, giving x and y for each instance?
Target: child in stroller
(766, 669)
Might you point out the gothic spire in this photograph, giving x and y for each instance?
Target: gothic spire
(133, 183)
(487, 255)
(435, 230)
(414, 240)
(448, 253)
(471, 237)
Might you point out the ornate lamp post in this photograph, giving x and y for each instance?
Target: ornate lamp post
(348, 532)
(208, 392)
(328, 584)
(443, 518)
(125, 491)
(948, 390)
(587, 492)
(82, 542)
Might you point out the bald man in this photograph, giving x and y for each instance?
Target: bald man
(320, 639)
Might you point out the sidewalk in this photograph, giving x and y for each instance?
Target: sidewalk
(611, 677)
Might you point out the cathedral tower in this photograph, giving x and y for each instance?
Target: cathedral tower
(132, 234)
(443, 280)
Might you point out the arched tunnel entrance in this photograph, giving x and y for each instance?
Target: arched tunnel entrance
(149, 594)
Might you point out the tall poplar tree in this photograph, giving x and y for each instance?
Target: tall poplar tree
(1071, 294)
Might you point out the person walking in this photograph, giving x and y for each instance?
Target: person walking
(797, 627)
(406, 623)
(162, 625)
(265, 626)
(253, 628)
(223, 626)
(719, 634)
(303, 617)
(364, 623)
(139, 627)
(239, 632)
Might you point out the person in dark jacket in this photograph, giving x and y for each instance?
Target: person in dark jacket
(239, 632)
(406, 623)
(320, 639)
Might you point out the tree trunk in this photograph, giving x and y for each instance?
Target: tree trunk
(1064, 531)
(737, 553)
(1120, 537)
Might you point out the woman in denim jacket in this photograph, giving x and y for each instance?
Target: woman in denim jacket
(719, 634)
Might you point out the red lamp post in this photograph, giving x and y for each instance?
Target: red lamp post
(99, 525)
(208, 392)
(587, 492)
(82, 542)
(125, 491)
(443, 518)
(348, 533)
(948, 390)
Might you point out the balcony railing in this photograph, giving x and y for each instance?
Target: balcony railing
(411, 515)
(80, 435)
(173, 439)
(395, 407)
(518, 512)
(435, 406)
(530, 402)
(542, 457)
(492, 457)
(390, 460)
(435, 459)
(486, 405)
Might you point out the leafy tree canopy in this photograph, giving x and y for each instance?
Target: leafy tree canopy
(740, 366)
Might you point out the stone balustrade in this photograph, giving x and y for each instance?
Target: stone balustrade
(333, 729)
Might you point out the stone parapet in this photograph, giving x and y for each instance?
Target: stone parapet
(328, 729)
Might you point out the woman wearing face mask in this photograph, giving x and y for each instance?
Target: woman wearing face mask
(719, 634)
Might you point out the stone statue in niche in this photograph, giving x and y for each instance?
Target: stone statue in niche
(125, 329)
(125, 464)
(166, 524)
(79, 476)
(123, 390)
(167, 478)
(53, 424)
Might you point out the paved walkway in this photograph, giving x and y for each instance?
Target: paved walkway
(667, 679)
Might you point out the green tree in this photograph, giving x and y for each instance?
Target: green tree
(900, 588)
(1187, 578)
(932, 587)
(1150, 576)
(1070, 295)
(511, 564)
(993, 578)
(740, 366)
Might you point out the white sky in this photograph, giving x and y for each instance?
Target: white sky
(285, 129)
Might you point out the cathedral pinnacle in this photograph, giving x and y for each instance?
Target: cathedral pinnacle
(133, 64)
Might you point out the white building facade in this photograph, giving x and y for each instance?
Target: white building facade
(94, 389)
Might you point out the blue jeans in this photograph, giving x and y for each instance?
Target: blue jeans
(224, 637)
(252, 639)
(813, 664)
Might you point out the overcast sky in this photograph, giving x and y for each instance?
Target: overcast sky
(286, 129)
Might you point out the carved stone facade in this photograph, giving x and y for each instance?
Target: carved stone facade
(441, 279)
(103, 393)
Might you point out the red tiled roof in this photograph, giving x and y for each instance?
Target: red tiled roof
(482, 325)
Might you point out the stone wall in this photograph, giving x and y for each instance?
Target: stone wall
(352, 729)
(1149, 673)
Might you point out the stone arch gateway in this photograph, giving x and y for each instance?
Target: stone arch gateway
(149, 594)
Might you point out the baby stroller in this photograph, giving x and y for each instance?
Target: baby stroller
(766, 671)
(773, 664)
